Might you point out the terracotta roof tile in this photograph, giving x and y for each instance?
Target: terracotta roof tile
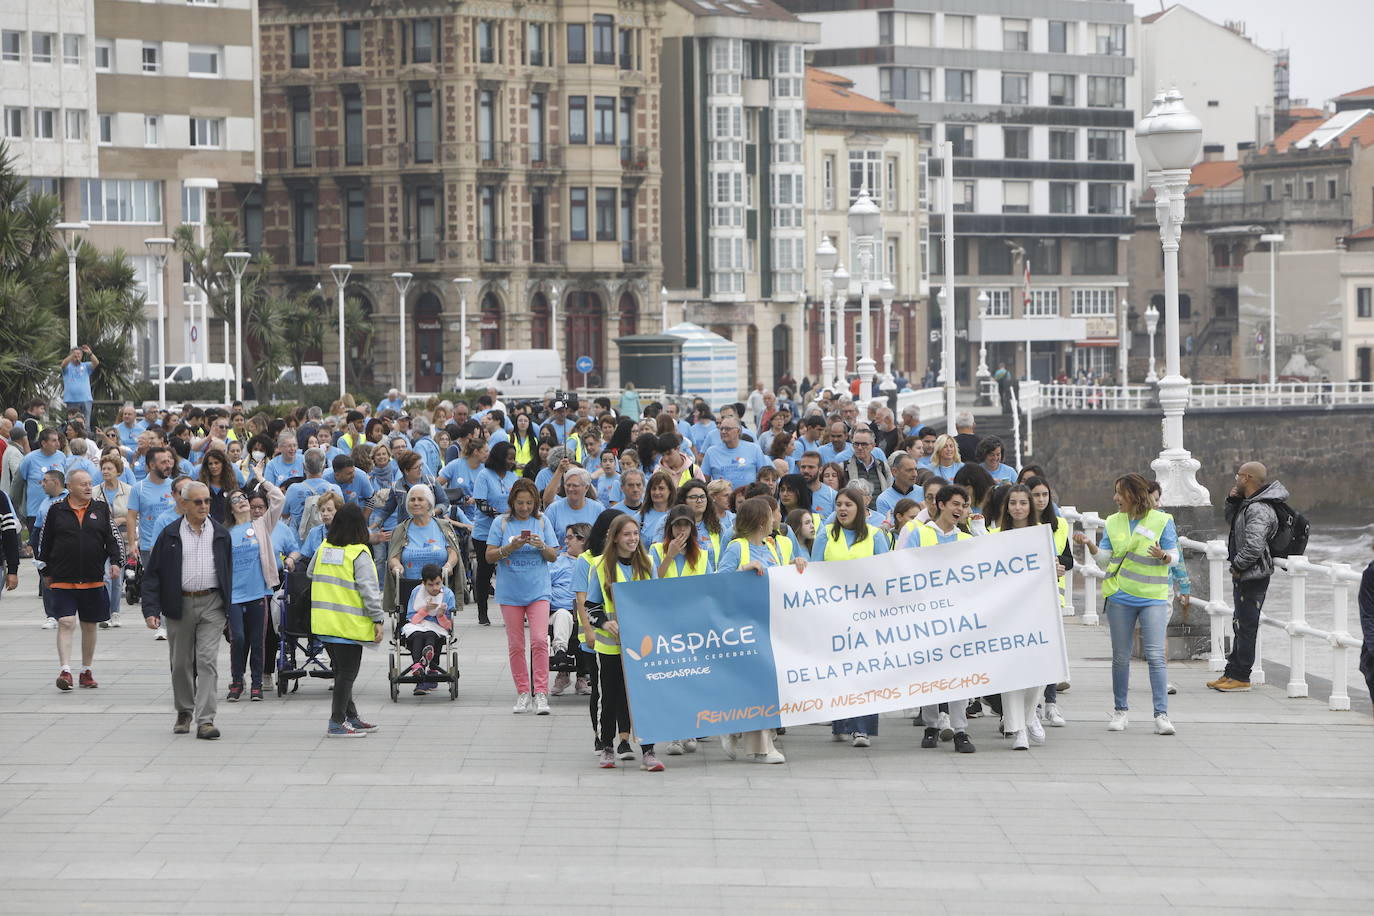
(826, 91)
(1154, 16)
(1209, 176)
(1366, 233)
(1297, 131)
(1366, 92)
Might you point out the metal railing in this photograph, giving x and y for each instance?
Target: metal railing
(1204, 395)
(1295, 570)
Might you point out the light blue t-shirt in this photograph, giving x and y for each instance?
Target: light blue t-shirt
(823, 500)
(278, 469)
(32, 467)
(150, 500)
(1005, 473)
(881, 542)
(395, 404)
(313, 539)
(891, 496)
(524, 576)
(76, 382)
(561, 582)
(730, 557)
(356, 492)
(128, 435)
(739, 465)
(300, 492)
(495, 490)
(561, 515)
(424, 544)
(829, 454)
(608, 490)
(249, 584)
(285, 541)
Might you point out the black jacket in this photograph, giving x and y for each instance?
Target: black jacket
(79, 550)
(162, 570)
(9, 535)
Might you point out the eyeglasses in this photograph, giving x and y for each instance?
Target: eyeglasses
(696, 495)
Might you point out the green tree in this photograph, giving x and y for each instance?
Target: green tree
(359, 337)
(209, 270)
(284, 328)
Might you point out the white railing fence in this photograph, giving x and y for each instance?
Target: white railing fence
(1295, 570)
(929, 401)
(1203, 395)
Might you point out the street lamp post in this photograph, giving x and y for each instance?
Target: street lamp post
(237, 262)
(463, 283)
(402, 280)
(1151, 322)
(826, 260)
(980, 396)
(663, 309)
(200, 187)
(159, 249)
(948, 368)
(800, 336)
(340, 273)
(70, 243)
(1274, 240)
(1170, 141)
(865, 222)
(887, 292)
(1123, 343)
(840, 280)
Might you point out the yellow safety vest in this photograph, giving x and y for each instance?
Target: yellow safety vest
(1061, 540)
(607, 644)
(841, 549)
(574, 446)
(688, 473)
(336, 607)
(929, 537)
(1132, 569)
(688, 569)
(590, 559)
(713, 538)
(524, 451)
(350, 441)
(779, 548)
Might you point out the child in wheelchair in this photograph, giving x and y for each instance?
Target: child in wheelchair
(428, 626)
(561, 622)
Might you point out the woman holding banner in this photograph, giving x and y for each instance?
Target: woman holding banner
(1044, 510)
(623, 561)
(711, 532)
(1143, 543)
(849, 537)
(680, 555)
(753, 548)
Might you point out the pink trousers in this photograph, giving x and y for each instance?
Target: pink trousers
(515, 615)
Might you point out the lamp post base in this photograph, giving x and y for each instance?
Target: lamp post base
(981, 376)
(1176, 470)
(868, 369)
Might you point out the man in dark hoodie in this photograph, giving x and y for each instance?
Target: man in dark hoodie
(1250, 513)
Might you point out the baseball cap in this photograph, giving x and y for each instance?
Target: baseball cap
(560, 405)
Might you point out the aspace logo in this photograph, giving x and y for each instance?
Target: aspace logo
(693, 642)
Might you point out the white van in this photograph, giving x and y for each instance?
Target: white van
(514, 373)
(196, 372)
(314, 375)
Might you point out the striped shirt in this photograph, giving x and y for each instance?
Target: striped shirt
(198, 557)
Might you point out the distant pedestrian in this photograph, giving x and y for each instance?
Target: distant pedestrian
(76, 380)
(1253, 520)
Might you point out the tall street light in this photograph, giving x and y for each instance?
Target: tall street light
(826, 260)
(554, 291)
(1170, 142)
(840, 280)
(402, 280)
(982, 372)
(201, 187)
(340, 273)
(237, 262)
(947, 366)
(1123, 340)
(865, 222)
(159, 249)
(463, 283)
(71, 241)
(887, 292)
(1274, 240)
(663, 309)
(1151, 323)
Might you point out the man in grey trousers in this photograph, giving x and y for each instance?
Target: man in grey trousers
(188, 582)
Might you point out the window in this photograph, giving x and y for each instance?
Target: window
(206, 132)
(1015, 88)
(303, 211)
(426, 223)
(106, 126)
(960, 137)
(626, 129)
(627, 49)
(152, 57)
(203, 61)
(14, 123)
(958, 31)
(487, 226)
(905, 83)
(728, 265)
(1310, 189)
(1015, 35)
(577, 119)
(605, 214)
(864, 168)
(1288, 188)
(122, 201)
(1268, 190)
(302, 133)
(300, 47)
(1330, 189)
(104, 56)
(963, 197)
(1045, 257)
(1063, 144)
(1106, 198)
(1016, 196)
(192, 205)
(1061, 37)
(1106, 92)
(534, 44)
(1016, 143)
(1044, 303)
(75, 123)
(152, 130)
(828, 183)
(627, 225)
(1107, 39)
(999, 303)
(577, 200)
(1094, 256)
(486, 125)
(890, 184)
(71, 50)
(577, 46)
(603, 40)
(1062, 89)
(424, 126)
(1106, 145)
(538, 107)
(353, 129)
(486, 41)
(1100, 302)
(958, 84)
(885, 28)
(355, 225)
(994, 257)
(605, 120)
(422, 41)
(352, 44)
(1221, 255)
(41, 47)
(1364, 302)
(11, 45)
(1063, 197)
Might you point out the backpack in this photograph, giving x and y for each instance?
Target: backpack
(310, 515)
(1290, 537)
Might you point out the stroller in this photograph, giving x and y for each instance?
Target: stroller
(299, 653)
(398, 654)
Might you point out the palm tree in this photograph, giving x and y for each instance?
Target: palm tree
(283, 329)
(358, 335)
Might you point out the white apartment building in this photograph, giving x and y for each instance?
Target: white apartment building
(1037, 100)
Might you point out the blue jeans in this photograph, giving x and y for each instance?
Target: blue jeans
(1153, 619)
(115, 587)
(247, 632)
(859, 725)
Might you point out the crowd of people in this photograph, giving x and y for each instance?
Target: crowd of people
(406, 512)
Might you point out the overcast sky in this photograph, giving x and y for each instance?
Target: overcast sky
(1328, 39)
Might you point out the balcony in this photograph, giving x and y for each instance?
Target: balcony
(543, 156)
(284, 159)
(494, 154)
(418, 154)
(637, 160)
(639, 254)
(547, 253)
(502, 252)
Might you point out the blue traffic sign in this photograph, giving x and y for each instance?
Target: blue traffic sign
(584, 364)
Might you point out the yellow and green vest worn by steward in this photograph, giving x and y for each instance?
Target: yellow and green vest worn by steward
(336, 607)
(1132, 569)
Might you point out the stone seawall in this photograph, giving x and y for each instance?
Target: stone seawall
(1324, 457)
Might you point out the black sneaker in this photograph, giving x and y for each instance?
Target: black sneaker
(962, 744)
(931, 738)
(975, 710)
(623, 751)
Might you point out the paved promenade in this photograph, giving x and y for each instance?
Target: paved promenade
(1260, 803)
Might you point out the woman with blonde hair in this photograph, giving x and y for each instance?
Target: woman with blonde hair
(944, 461)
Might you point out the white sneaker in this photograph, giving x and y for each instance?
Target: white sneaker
(1118, 722)
(161, 634)
(114, 621)
(674, 749)
(690, 745)
(837, 737)
(522, 702)
(1163, 726)
(541, 704)
(1035, 730)
(730, 745)
(861, 741)
(49, 623)
(770, 757)
(1019, 741)
(1053, 717)
(946, 732)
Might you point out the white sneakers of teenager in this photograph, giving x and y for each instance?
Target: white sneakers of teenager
(1053, 717)
(1118, 722)
(1019, 740)
(541, 704)
(1163, 726)
(522, 703)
